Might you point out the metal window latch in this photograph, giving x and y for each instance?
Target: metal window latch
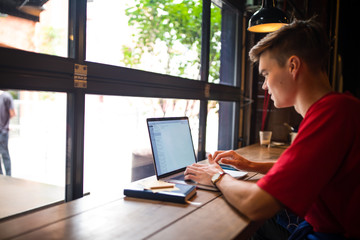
(80, 76)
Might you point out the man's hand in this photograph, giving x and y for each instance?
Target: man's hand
(202, 173)
(231, 158)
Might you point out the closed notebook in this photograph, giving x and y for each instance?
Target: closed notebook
(180, 193)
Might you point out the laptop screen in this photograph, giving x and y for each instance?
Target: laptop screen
(171, 144)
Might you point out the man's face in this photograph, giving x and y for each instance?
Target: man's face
(278, 81)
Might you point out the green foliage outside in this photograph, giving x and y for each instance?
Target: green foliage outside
(172, 22)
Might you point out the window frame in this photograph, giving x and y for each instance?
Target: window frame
(33, 71)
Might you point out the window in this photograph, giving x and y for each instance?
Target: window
(37, 137)
(37, 150)
(117, 146)
(35, 27)
(212, 127)
(130, 73)
(215, 43)
(157, 36)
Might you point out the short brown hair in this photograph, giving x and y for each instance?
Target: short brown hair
(305, 39)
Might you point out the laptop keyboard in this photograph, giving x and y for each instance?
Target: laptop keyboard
(180, 177)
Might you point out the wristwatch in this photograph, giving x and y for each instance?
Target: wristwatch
(217, 177)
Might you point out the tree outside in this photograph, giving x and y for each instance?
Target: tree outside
(170, 32)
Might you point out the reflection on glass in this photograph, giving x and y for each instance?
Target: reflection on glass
(117, 145)
(157, 36)
(34, 26)
(223, 44)
(37, 150)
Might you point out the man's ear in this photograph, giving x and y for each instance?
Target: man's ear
(294, 65)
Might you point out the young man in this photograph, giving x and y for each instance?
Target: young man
(317, 177)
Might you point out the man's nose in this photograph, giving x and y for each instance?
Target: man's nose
(264, 86)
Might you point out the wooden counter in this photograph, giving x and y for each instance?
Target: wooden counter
(129, 218)
(20, 195)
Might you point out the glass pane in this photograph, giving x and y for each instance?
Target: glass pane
(223, 44)
(212, 127)
(157, 36)
(215, 44)
(36, 146)
(35, 26)
(117, 145)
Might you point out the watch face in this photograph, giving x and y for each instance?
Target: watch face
(215, 177)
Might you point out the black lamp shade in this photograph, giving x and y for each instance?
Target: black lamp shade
(267, 19)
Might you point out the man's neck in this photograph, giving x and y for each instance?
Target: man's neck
(312, 88)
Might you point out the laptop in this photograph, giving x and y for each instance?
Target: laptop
(173, 150)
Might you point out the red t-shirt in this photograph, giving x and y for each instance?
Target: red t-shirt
(318, 176)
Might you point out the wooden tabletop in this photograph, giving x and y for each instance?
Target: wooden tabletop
(20, 195)
(257, 153)
(130, 218)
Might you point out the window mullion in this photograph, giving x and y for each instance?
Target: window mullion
(76, 104)
(204, 75)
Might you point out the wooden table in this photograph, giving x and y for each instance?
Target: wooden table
(18, 196)
(129, 218)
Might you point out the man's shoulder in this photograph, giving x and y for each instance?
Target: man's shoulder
(346, 97)
(339, 102)
(6, 95)
(339, 107)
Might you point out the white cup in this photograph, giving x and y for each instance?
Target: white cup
(265, 138)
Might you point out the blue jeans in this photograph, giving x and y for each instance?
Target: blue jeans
(4, 151)
(286, 225)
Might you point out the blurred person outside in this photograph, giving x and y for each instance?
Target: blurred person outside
(6, 112)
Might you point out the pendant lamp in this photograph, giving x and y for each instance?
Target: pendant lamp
(268, 18)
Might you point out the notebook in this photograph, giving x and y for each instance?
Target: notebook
(173, 150)
(179, 193)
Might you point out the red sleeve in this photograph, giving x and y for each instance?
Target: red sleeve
(302, 171)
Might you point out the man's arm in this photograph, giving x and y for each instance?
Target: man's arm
(12, 113)
(248, 198)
